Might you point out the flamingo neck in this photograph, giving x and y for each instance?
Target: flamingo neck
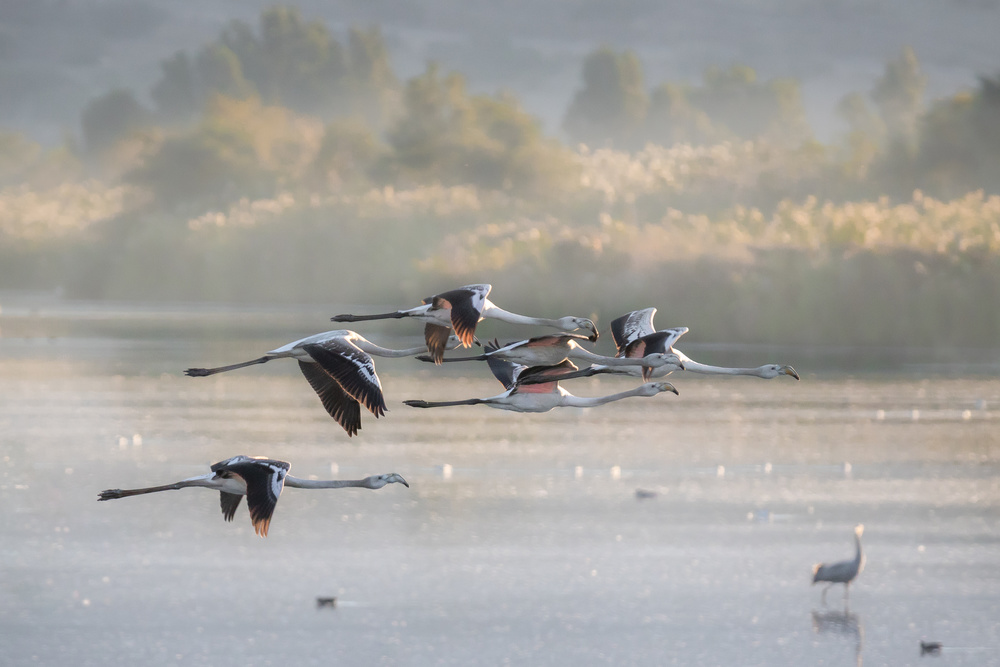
(696, 367)
(379, 351)
(299, 483)
(572, 401)
(492, 311)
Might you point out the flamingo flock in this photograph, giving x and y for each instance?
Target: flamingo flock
(339, 367)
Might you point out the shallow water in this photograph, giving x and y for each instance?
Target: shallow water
(533, 552)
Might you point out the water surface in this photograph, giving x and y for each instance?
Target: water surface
(537, 549)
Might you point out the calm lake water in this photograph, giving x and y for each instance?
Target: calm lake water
(534, 551)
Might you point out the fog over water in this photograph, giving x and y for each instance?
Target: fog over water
(532, 552)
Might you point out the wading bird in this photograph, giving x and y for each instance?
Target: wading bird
(552, 349)
(843, 572)
(260, 480)
(339, 368)
(635, 337)
(544, 394)
(461, 310)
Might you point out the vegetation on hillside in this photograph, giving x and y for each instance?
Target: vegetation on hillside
(283, 163)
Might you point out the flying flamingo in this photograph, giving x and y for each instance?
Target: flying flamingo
(544, 394)
(461, 310)
(339, 368)
(260, 480)
(552, 349)
(635, 337)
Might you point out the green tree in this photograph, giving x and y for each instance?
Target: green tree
(375, 88)
(672, 119)
(864, 136)
(177, 94)
(899, 95)
(959, 144)
(346, 156)
(445, 135)
(612, 104)
(305, 67)
(733, 99)
(110, 117)
(221, 73)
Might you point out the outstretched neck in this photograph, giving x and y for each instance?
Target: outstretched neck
(572, 401)
(492, 311)
(299, 483)
(379, 351)
(695, 367)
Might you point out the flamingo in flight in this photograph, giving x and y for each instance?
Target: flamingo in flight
(552, 349)
(340, 369)
(636, 337)
(462, 309)
(260, 480)
(544, 393)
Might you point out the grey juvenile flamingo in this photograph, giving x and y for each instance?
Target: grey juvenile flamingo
(260, 480)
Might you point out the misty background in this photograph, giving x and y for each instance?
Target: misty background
(773, 172)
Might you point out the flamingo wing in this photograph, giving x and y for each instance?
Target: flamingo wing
(264, 479)
(503, 370)
(554, 373)
(466, 304)
(229, 502)
(338, 403)
(436, 337)
(630, 326)
(354, 371)
(552, 340)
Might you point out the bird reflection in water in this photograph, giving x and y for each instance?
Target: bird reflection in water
(843, 623)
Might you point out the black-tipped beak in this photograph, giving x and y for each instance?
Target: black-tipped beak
(791, 371)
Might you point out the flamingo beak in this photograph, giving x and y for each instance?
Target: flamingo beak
(787, 370)
(399, 478)
(672, 388)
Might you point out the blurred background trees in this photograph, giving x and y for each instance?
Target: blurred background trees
(275, 157)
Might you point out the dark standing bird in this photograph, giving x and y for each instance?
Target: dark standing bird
(843, 572)
(635, 337)
(260, 480)
(339, 368)
(462, 309)
(542, 395)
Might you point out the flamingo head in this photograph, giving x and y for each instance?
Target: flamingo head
(582, 323)
(667, 361)
(378, 481)
(769, 371)
(653, 388)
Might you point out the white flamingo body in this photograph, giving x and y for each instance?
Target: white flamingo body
(536, 389)
(635, 336)
(260, 480)
(462, 309)
(339, 368)
(552, 349)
